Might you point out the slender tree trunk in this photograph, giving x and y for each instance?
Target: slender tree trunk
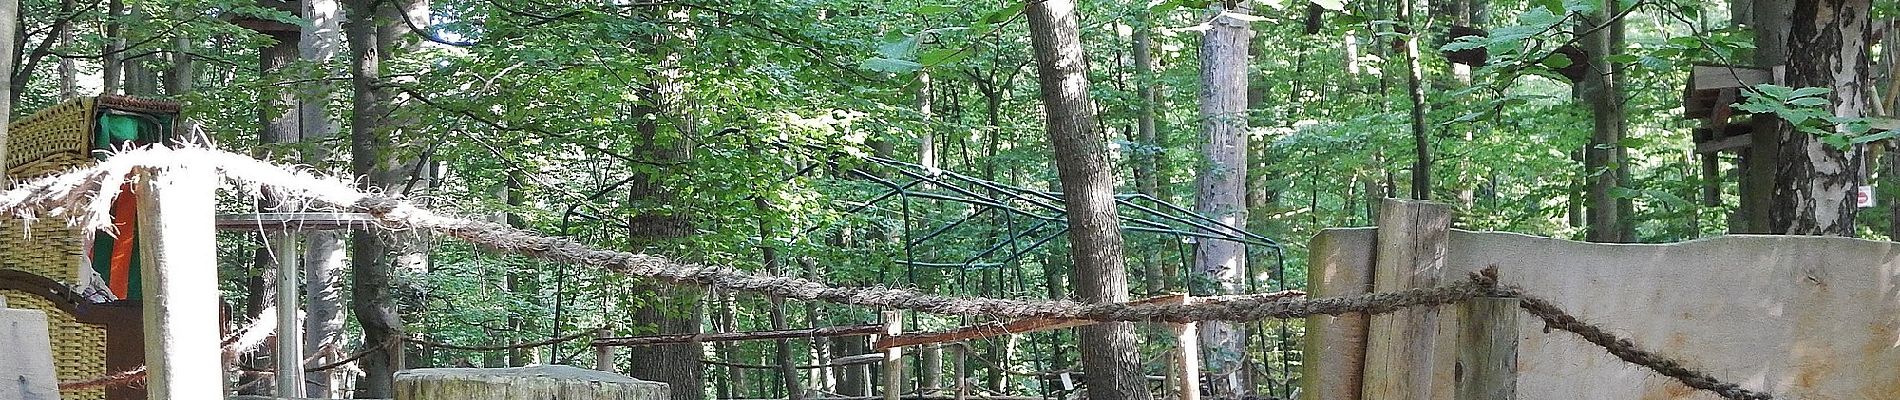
(323, 256)
(1817, 183)
(1769, 20)
(114, 63)
(1603, 160)
(927, 148)
(373, 274)
(1222, 264)
(68, 69)
(1415, 87)
(1095, 243)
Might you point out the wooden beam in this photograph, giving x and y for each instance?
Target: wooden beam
(1016, 327)
(1408, 352)
(650, 340)
(1712, 77)
(1188, 356)
(178, 244)
(304, 221)
(1487, 349)
(1724, 144)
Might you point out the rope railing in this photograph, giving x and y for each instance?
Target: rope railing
(83, 196)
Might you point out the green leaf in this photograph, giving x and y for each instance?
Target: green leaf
(1809, 91)
(936, 9)
(1331, 5)
(891, 65)
(1004, 14)
(1808, 102)
(1557, 61)
(899, 49)
(935, 57)
(1884, 135)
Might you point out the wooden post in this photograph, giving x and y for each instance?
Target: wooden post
(541, 382)
(1188, 357)
(1487, 349)
(604, 355)
(289, 316)
(178, 245)
(1409, 353)
(9, 21)
(962, 366)
(893, 366)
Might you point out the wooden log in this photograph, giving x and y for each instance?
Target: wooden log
(540, 382)
(28, 372)
(1188, 358)
(178, 243)
(1487, 349)
(289, 356)
(1333, 353)
(893, 366)
(1409, 353)
(650, 340)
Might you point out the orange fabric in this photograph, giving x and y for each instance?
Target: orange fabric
(124, 213)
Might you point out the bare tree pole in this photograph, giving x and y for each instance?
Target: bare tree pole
(1081, 157)
(1415, 87)
(1222, 189)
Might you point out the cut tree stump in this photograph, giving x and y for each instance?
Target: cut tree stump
(541, 382)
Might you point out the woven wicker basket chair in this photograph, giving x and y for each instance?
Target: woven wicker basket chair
(41, 263)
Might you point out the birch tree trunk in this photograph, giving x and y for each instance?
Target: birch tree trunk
(1817, 183)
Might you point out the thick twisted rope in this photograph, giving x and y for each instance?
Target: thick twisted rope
(83, 196)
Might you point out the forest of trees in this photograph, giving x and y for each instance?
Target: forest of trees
(738, 132)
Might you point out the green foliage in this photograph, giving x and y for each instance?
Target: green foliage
(1809, 110)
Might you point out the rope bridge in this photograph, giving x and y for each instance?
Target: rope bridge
(82, 197)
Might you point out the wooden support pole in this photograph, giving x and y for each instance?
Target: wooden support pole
(289, 356)
(9, 21)
(1409, 353)
(603, 355)
(893, 366)
(962, 367)
(179, 245)
(1487, 349)
(1188, 357)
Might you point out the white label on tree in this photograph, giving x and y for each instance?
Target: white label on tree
(1865, 198)
(1067, 383)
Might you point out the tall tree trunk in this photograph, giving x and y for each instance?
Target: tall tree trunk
(1817, 183)
(1603, 160)
(372, 272)
(666, 136)
(323, 250)
(1081, 154)
(1221, 192)
(114, 63)
(1415, 88)
(68, 69)
(1769, 20)
(927, 148)
(1148, 149)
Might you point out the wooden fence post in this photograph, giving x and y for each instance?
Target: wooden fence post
(178, 245)
(1487, 349)
(604, 355)
(289, 316)
(1188, 357)
(1409, 353)
(893, 366)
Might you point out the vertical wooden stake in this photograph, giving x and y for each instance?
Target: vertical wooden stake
(1409, 353)
(9, 21)
(893, 357)
(178, 244)
(289, 317)
(604, 355)
(963, 370)
(1487, 349)
(1188, 357)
